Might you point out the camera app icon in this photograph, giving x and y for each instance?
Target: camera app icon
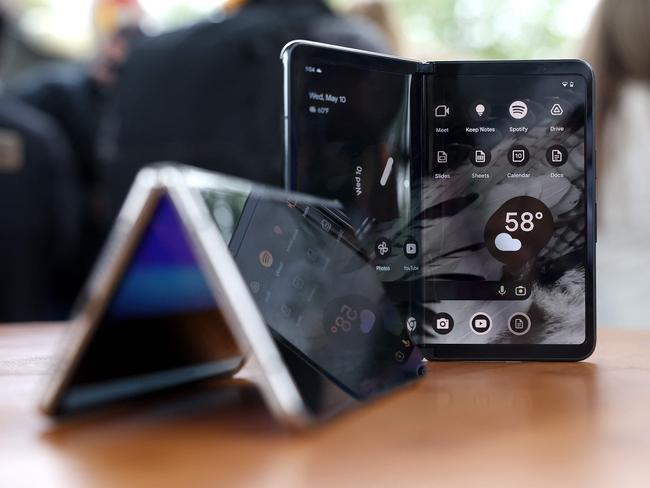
(443, 323)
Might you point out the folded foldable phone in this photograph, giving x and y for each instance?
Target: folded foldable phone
(202, 272)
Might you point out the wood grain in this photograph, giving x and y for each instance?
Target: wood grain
(465, 424)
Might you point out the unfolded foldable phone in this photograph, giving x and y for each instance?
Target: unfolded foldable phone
(489, 169)
(202, 272)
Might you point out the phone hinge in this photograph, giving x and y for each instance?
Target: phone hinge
(425, 68)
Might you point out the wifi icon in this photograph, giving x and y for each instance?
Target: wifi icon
(565, 83)
(518, 109)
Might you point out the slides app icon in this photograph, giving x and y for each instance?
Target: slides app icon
(519, 230)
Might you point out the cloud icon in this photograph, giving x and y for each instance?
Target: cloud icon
(506, 243)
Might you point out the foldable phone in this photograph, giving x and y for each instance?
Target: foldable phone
(203, 271)
(488, 169)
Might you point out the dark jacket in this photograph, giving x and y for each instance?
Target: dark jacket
(68, 94)
(39, 220)
(211, 94)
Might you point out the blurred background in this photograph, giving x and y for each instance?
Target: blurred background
(94, 90)
(446, 29)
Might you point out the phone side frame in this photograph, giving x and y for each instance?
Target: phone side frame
(122, 241)
(235, 300)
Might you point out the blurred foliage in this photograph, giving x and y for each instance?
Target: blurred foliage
(427, 29)
(506, 29)
(27, 4)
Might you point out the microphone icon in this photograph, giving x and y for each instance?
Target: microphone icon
(502, 290)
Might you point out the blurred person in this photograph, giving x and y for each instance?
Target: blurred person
(617, 47)
(211, 94)
(380, 13)
(75, 95)
(39, 220)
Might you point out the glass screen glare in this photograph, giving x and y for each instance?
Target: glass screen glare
(351, 141)
(503, 213)
(320, 295)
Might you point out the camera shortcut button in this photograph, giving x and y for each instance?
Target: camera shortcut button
(443, 323)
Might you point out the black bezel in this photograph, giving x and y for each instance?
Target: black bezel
(298, 51)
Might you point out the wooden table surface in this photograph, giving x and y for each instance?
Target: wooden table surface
(464, 424)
